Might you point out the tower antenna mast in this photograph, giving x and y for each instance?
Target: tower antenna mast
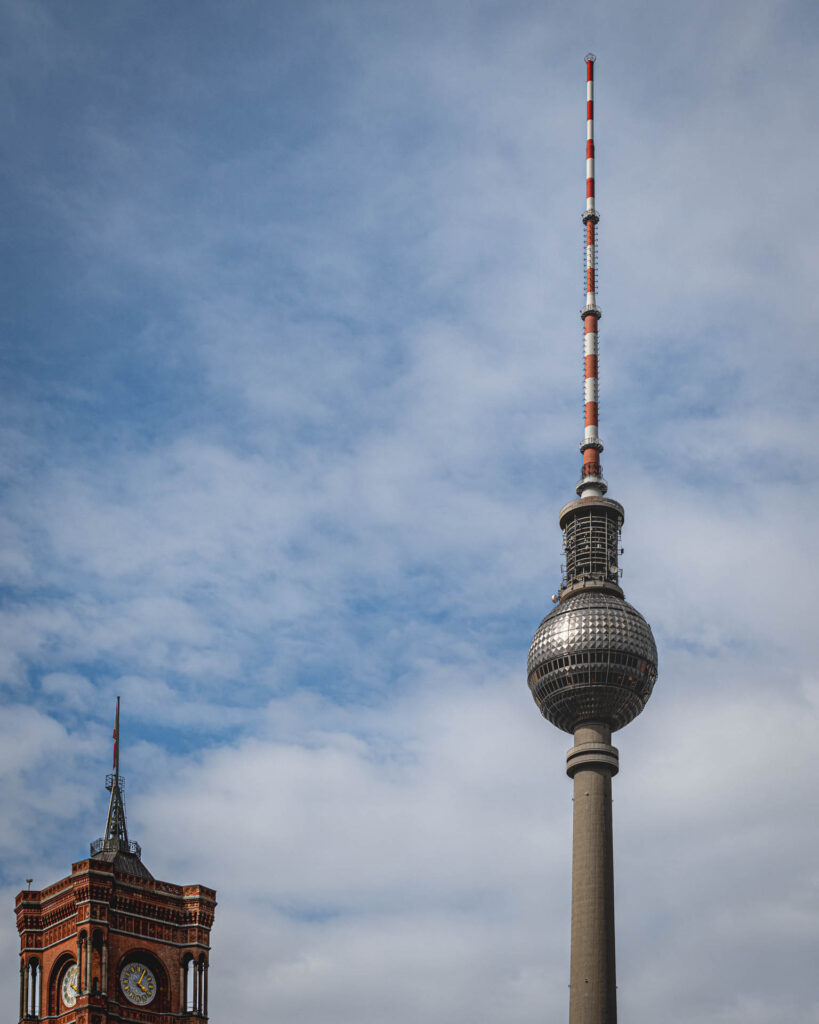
(591, 483)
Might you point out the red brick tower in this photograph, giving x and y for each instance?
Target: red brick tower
(109, 942)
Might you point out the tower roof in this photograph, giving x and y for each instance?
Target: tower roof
(114, 846)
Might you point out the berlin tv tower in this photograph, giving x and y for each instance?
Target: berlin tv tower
(592, 666)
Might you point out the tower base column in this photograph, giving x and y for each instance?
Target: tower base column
(591, 763)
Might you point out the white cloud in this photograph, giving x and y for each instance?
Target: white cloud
(75, 690)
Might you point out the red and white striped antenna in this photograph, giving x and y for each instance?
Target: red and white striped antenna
(592, 484)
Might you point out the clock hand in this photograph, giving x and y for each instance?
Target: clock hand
(144, 969)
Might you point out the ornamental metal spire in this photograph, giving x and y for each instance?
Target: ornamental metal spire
(592, 667)
(116, 827)
(115, 846)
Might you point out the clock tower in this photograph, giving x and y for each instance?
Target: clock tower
(110, 943)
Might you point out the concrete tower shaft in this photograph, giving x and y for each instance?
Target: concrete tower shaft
(591, 763)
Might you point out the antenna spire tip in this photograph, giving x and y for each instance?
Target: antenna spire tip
(590, 58)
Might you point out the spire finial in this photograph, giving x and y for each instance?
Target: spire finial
(592, 484)
(116, 740)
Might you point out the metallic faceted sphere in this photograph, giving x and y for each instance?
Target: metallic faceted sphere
(592, 659)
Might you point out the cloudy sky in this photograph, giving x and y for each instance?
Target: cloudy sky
(291, 398)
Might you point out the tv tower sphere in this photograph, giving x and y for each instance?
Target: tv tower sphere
(593, 658)
(592, 665)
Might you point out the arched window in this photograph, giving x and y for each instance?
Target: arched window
(31, 988)
(194, 984)
(189, 989)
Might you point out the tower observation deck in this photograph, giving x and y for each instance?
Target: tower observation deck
(592, 665)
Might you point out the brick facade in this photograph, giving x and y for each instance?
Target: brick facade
(101, 918)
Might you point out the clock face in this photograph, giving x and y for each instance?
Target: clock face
(70, 985)
(138, 983)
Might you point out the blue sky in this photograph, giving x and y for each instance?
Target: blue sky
(291, 375)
